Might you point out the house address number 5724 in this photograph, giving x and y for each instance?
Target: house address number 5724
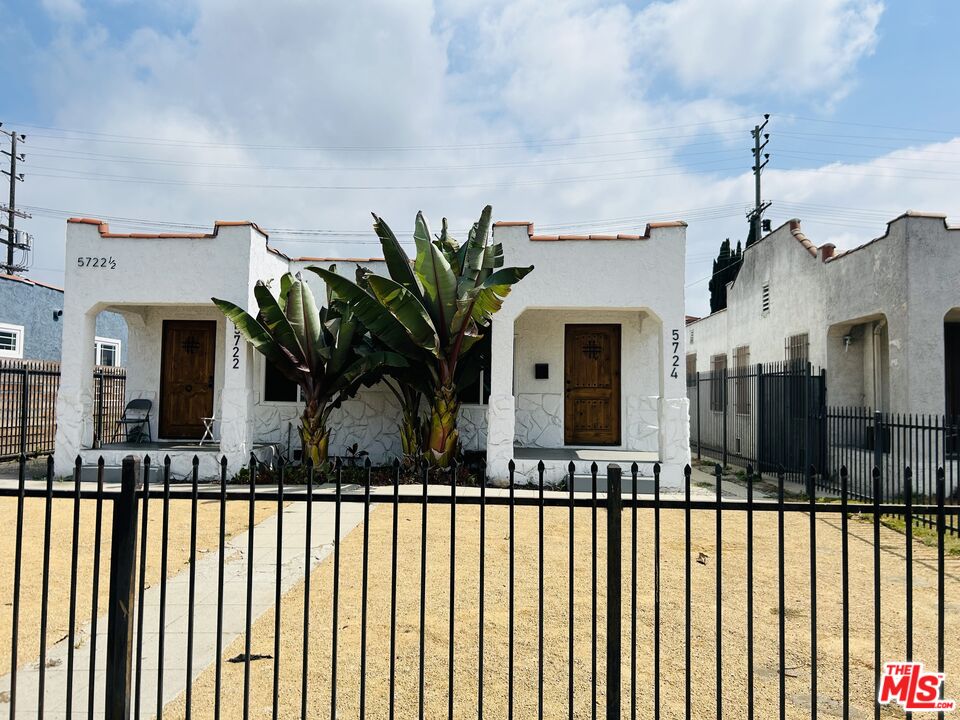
(675, 346)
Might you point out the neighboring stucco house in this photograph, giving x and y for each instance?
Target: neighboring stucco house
(31, 326)
(883, 318)
(585, 355)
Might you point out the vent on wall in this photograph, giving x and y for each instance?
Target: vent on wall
(765, 302)
(691, 337)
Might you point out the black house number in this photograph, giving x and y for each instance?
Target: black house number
(104, 263)
(675, 345)
(236, 349)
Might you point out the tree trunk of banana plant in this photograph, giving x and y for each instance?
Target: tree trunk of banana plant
(444, 441)
(314, 437)
(411, 435)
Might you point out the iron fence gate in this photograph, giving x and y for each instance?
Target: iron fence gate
(555, 647)
(28, 399)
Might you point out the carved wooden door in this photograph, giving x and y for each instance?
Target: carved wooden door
(186, 377)
(592, 385)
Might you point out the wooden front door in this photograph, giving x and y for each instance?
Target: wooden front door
(591, 406)
(186, 377)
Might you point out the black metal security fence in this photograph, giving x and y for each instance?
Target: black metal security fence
(28, 399)
(763, 414)
(453, 601)
(774, 416)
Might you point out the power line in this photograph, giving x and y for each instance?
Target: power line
(624, 175)
(140, 139)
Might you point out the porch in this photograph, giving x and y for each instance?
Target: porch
(180, 452)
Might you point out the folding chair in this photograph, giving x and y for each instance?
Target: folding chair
(135, 416)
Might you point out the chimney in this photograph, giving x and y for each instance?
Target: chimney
(827, 251)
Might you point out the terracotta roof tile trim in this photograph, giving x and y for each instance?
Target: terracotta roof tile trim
(104, 229)
(581, 238)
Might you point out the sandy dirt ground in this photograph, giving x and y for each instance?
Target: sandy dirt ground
(798, 620)
(61, 526)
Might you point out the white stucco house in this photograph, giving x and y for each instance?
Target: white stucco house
(585, 362)
(883, 318)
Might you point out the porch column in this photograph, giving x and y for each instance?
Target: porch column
(236, 399)
(75, 395)
(501, 410)
(674, 405)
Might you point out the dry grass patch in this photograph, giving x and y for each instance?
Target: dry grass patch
(61, 544)
(556, 619)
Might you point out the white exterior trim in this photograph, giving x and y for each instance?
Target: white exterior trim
(17, 331)
(99, 342)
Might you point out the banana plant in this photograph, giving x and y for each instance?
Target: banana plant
(432, 311)
(322, 349)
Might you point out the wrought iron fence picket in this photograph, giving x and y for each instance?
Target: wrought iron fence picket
(605, 512)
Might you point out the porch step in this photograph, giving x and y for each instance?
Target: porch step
(114, 474)
(583, 482)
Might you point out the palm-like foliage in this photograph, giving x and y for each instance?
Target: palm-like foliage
(322, 349)
(432, 311)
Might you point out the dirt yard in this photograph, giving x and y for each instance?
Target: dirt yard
(208, 529)
(555, 672)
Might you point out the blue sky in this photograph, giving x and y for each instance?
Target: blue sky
(575, 114)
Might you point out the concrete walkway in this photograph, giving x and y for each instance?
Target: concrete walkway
(205, 617)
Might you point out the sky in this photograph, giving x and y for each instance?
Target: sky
(579, 115)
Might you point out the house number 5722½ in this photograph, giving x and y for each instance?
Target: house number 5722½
(675, 347)
(236, 349)
(104, 263)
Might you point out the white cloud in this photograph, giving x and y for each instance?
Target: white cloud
(464, 77)
(64, 11)
(784, 47)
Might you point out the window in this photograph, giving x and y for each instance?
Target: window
(741, 379)
(797, 349)
(476, 372)
(11, 341)
(691, 369)
(765, 300)
(107, 351)
(718, 366)
(277, 387)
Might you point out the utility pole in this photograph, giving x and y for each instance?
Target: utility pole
(755, 216)
(14, 240)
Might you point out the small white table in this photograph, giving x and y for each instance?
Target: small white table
(208, 429)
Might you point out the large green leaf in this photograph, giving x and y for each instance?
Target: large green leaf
(304, 318)
(407, 309)
(487, 298)
(277, 323)
(476, 246)
(286, 282)
(439, 281)
(342, 346)
(260, 338)
(398, 263)
(378, 320)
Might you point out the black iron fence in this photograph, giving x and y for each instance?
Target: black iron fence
(505, 603)
(775, 415)
(761, 414)
(28, 399)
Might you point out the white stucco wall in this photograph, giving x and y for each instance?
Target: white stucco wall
(149, 277)
(586, 279)
(901, 286)
(539, 338)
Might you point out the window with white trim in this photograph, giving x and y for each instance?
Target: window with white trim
(11, 341)
(107, 351)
